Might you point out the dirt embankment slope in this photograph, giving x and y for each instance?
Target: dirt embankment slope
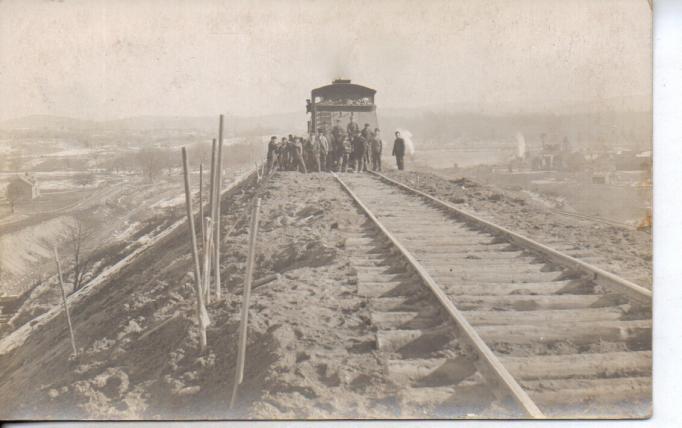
(311, 347)
(625, 252)
(132, 331)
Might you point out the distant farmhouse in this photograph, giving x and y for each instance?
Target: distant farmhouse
(22, 188)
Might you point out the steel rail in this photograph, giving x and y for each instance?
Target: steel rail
(634, 292)
(492, 368)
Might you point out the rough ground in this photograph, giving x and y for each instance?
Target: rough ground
(134, 333)
(110, 215)
(625, 252)
(311, 347)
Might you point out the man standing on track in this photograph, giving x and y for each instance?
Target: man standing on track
(296, 151)
(352, 128)
(337, 144)
(314, 153)
(272, 153)
(375, 149)
(367, 135)
(359, 150)
(344, 154)
(324, 148)
(282, 154)
(399, 151)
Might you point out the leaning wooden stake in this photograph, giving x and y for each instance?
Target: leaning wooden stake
(214, 148)
(208, 251)
(201, 310)
(211, 191)
(259, 175)
(216, 218)
(201, 205)
(241, 351)
(66, 306)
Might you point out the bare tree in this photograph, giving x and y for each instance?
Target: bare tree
(84, 179)
(169, 161)
(77, 236)
(14, 194)
(151, 162)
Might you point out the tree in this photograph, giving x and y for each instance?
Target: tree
(150, 162)
(77, 235)
(169, 160)
(84, 179)
(13, 194)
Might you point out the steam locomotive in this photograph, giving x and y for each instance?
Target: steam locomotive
(341, 100)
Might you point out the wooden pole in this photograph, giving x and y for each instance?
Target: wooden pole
(216, 219)
(201, 205)
(66, 306)
(211, 192)
(211, 195)
(201, 310)
(208, 252)
(241, 351)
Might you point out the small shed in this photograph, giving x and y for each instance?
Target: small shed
(22, 188)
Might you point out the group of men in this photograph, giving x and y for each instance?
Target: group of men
(350, 149)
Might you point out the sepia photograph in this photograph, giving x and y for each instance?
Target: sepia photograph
(319, 209)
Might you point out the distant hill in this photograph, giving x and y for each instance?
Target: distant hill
(611, 128)
(586, 125)
(46, 122)
(286, 122)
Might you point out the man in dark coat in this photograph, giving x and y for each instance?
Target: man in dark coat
(344, 154)
(281, 155)
(399, 151)
(375, 149)
(352, 129)
(367, 135)
(314, 148)
(359, 153)
(272, 153)
(336, 149)
(296, 152)
(324, 148)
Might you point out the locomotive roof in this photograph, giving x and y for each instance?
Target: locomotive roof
(343, 87)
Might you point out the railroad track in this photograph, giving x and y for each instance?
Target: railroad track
(432, 373)
(552, 335)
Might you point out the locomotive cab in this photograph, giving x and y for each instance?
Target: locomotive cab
(342, 100)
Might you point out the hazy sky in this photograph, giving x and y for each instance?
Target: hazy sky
(115, 58)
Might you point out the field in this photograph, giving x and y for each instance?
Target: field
(628, 201)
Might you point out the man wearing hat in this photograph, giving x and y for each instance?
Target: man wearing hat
(376, 146)
(323, 144)
(399, 151)
(359, 153)
(338, 135)
(296, 153)
(272, 148)
(352, 128)
(366, 135)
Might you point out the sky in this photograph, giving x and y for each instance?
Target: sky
(107, 59)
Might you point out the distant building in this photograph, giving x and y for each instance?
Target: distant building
(22, 188)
